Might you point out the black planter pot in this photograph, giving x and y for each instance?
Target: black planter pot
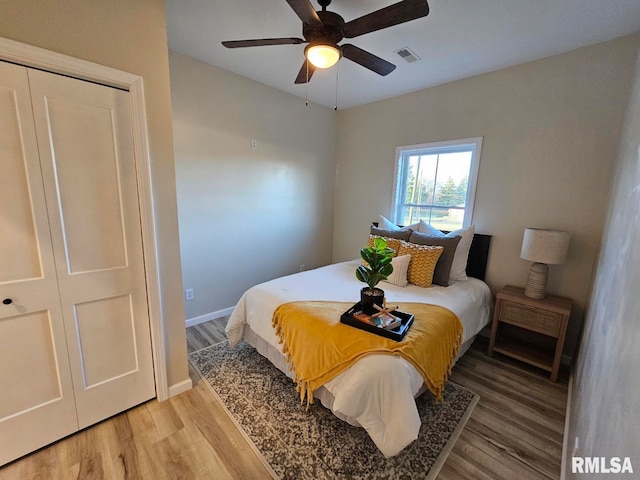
(369, 297)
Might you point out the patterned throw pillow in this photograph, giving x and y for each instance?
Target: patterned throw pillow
(423, 262)
(443, 268)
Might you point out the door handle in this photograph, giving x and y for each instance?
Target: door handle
(7, 301)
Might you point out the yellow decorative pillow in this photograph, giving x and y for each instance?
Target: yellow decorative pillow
(392, 243)
(423, 262)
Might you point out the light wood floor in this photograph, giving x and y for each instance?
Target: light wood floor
(515, 432)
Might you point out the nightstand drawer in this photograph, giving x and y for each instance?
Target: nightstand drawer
(531, 318)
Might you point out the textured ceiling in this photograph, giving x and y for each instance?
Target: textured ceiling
(458, 39)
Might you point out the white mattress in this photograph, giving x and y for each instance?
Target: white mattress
(377, 392)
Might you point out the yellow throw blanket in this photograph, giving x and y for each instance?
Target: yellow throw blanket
(318, 347)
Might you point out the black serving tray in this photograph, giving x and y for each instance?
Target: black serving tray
(396, 334)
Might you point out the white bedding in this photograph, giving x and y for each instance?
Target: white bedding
(377, 393)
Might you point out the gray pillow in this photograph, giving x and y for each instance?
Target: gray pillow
(399, 234)
(443, 267)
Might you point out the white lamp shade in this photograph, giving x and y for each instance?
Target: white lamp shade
(545, 246)
(322, 56)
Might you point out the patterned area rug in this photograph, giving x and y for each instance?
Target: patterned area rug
(315, 445)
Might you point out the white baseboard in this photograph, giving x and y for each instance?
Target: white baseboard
(190, 322)
(178, 388)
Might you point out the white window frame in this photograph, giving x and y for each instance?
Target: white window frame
(473, 144)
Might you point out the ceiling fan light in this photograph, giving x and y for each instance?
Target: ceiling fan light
(323, 56)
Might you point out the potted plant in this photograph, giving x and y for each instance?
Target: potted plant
(377, 268)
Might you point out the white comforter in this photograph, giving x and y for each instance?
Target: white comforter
(377, 392)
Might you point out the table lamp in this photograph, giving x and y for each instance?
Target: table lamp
(543, 247)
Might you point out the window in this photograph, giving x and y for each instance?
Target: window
(436, 182)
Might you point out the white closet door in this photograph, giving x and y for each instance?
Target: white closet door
(88, 166)
(36, 394)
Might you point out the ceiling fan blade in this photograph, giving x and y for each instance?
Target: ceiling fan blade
(306, 12)
(305, 75)
(395, 14)
(260, 42)
(367, 60)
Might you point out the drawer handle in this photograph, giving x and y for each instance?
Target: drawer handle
(7, 301)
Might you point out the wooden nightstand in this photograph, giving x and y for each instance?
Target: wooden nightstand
(548, 317)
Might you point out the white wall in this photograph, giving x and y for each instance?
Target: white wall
(247, 216)
(550, 131)
(606, 392)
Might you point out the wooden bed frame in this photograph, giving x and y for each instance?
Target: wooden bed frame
(478, 254)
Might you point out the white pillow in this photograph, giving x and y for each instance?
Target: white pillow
(387, 224)
(400, 270)
(426, 228)
(459, 264)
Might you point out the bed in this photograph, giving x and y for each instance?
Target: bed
(389, 416)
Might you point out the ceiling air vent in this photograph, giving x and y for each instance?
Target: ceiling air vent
(408, 55)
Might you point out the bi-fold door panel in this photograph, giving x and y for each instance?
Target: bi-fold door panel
(20, 252)
(36, 400)
(88, 165)
(106, 332)
(85, 169)
(32, 350)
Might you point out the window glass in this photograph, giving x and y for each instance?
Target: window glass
(435, 182)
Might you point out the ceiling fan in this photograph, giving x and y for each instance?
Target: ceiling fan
(323, 29)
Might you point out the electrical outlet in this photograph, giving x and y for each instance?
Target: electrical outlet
(254, 144)
(302, 267)
(188, 294)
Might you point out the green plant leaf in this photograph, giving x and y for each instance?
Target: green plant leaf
(374, 279)
(367, 254)
(379, 243)
(362, 274)
(386, 271)
(385, 261)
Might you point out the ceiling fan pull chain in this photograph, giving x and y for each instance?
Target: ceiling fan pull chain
(306, 86)
(336, 105)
